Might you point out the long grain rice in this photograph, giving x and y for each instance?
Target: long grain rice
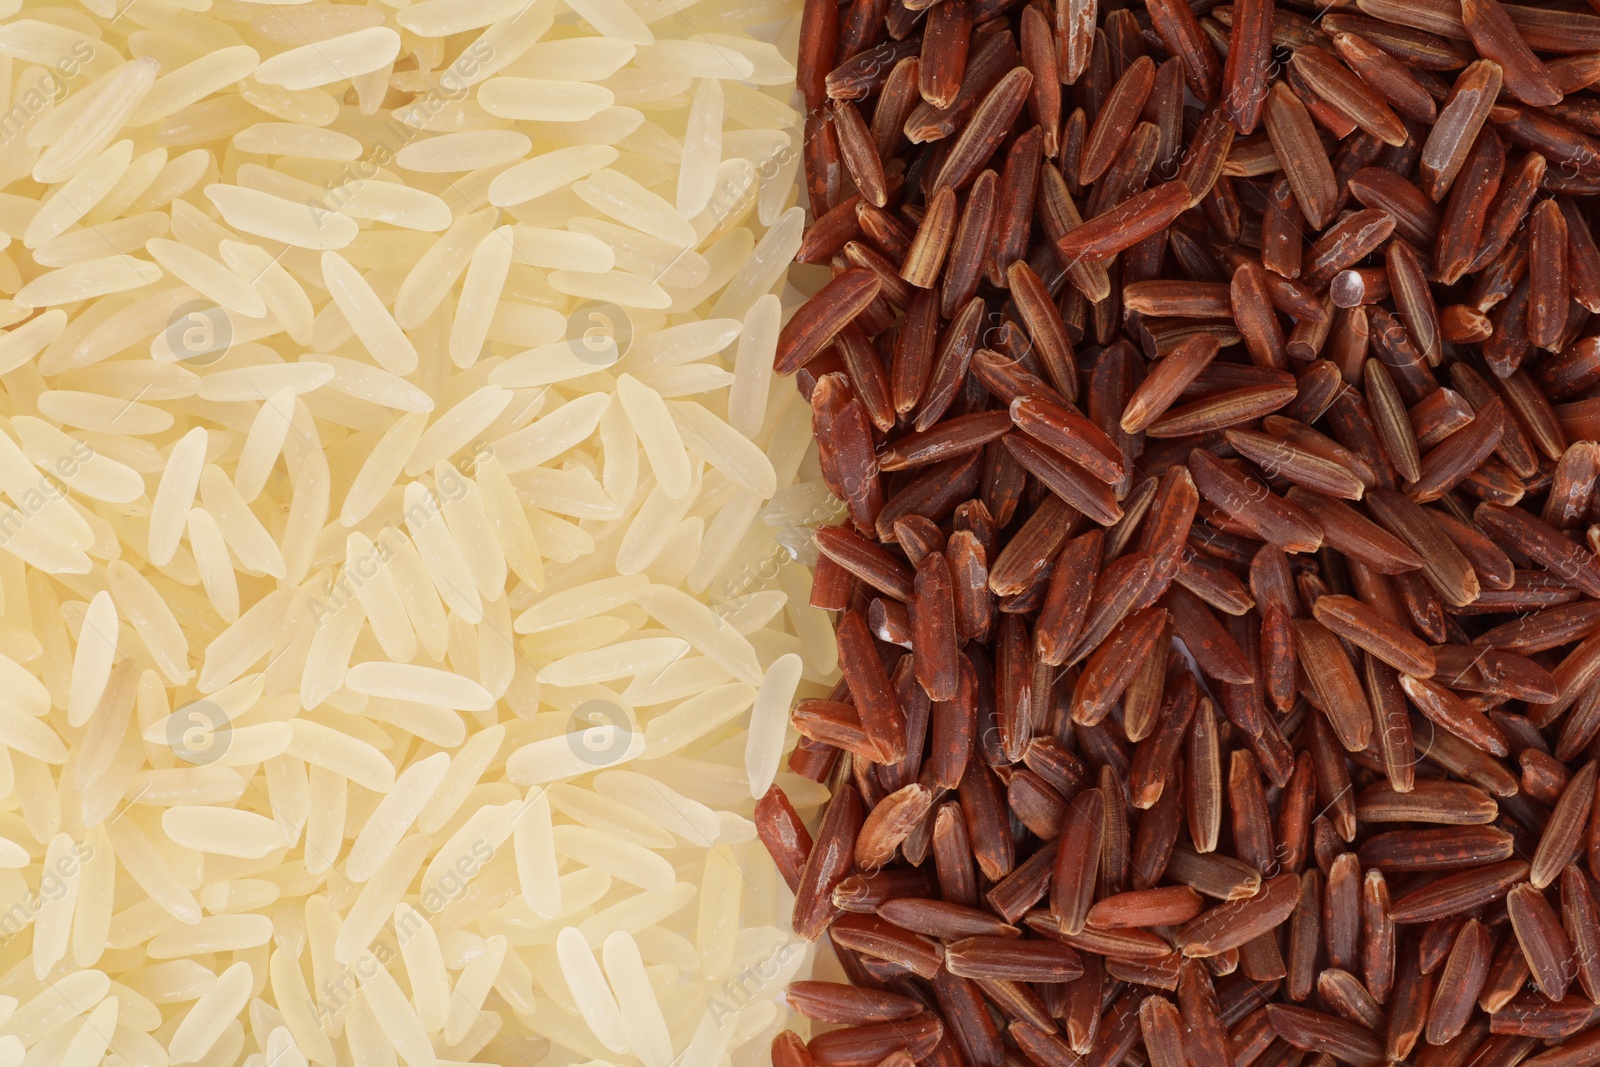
(1306, 437)
(391, 644)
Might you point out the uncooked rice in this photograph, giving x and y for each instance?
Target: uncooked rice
(1200, 535)
(405, 558)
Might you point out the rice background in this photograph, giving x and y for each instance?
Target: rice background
(405, 550)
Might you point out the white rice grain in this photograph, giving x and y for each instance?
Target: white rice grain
(581, 602)
(217, 575)
(392, 203)
(123, 237)
(620, 859)
(52, 925)
(717, 931)
(78, 195)
(695, 718)
(704, 629)
(542, 100)
(702, 149)
(752, 366)
(583, 58)
(336, 59)
(622, 198)
(397, 367)
(87, 280)
(769, 721)
(454, 153)
(480, 295)
(546, 173)
(613, 18)
(211, 1014)
(174, 495)
(395, 1018)
(427, 685)
(90, 120)
(224, 831)
(250, 541)
(378, 897)
(570, 755)
(614, 287)
(725, 448)
(443, 18)
(534, 843)
(697, 59)
(658, 435)
(210, 278)
(277, 219)
(560, 249)
(298, 140)
(466, 1003)
(382, 466)
(19, 345)
(393, 816)
(642, 1020)
(447, 567)
(438, 268)
(766, 265)
(551, 434)
(587, 985)
(212, 933)
(90, 1041)
(284, 296)
(430, 984)
(341, 753)
(380, 598)
(313, 801)
(212, 72)
(456, 428)
(367, 315)
(93, 659)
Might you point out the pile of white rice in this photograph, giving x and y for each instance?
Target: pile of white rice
(397, 546)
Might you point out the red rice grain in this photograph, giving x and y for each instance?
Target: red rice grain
(1214, 397)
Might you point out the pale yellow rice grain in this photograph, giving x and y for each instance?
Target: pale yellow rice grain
(333, 60)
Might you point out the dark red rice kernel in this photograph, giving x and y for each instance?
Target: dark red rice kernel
(1219, 591)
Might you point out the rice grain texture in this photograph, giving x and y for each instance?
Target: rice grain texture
(1213, 394)
(405, 550)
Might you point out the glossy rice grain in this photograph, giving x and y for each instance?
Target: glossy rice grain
(1214, 426)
